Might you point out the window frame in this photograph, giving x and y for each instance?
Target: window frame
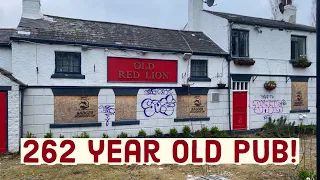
(71, 73)
(240, 30)
(305, 47)
(197, 60)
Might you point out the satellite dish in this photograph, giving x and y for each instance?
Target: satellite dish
(210, 3)
(281, 7)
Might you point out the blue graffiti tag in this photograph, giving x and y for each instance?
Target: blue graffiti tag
(158, 92)
(108, 111)
(163, 106)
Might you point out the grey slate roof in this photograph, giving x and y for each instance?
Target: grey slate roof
(54, 29)
(5, 36)
(240, 19)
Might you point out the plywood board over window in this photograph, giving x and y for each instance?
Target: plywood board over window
(194, 106)
(75, 109)
(126, 108)
(299, 96)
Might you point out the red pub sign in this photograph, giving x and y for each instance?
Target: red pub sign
(142, 70)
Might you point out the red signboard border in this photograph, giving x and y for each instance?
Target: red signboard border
(135, 82)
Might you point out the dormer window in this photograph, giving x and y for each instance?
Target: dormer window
(240, 43)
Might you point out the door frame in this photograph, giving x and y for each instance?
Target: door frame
(248, 102)
(3, 90)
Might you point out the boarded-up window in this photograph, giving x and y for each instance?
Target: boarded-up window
(126, 108)
(75, 109)
(299, 96)
(193, 106)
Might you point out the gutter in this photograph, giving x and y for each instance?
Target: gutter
(43, 41)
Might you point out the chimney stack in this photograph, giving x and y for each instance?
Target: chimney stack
(194, 13)
(31, 9)
(289, 14)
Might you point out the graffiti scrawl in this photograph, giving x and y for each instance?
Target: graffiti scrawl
(163, 106)
(108, 111)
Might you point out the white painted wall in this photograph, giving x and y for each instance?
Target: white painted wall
(13, 114)
(5, 58)
(271, 50)
(27, 56)
(282, 93)
(39, 114)
(215, 27)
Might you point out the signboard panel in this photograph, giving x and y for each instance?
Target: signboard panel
(75, 109)
(142, 70)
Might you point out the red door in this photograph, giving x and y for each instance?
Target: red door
(240, 105)
(3, 122)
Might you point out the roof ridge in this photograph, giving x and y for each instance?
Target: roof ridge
(98, 21)
(256, 18)
(7, 29)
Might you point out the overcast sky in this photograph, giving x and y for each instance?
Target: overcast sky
(155, 13)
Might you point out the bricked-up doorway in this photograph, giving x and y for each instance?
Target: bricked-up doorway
(3, 121)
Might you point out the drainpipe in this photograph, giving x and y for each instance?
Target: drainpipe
(229, 75)
(21, 113)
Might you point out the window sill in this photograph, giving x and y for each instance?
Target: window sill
(299, 111)
(200, 79)
(68, 76)
(126, 123)
(191, 119)
(75, 125)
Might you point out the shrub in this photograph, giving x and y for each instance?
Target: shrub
(205, 133)
(174, 133)
(105, 135)
(158, 132)
(305, 174)
(278, 129)
(82, 135)
(198, 134)
(306, 129)
(215, 132)
(30, 135)
(123, 135)
(142, 133)
(223, 134)
(61, 136)
(48, 135)
(186, 131)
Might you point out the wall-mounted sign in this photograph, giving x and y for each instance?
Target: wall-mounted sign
(142, 70)
(192, 106)
(299, 96)
(75, 109)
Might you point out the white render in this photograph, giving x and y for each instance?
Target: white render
(26, 57)
(39, 114)
(13, 132)
(31, 9)
(271, 49)
(39, 102)
(5, 58)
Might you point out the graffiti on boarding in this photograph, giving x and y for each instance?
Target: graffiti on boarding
(158, 92)
(108, 111)
(164, 106)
